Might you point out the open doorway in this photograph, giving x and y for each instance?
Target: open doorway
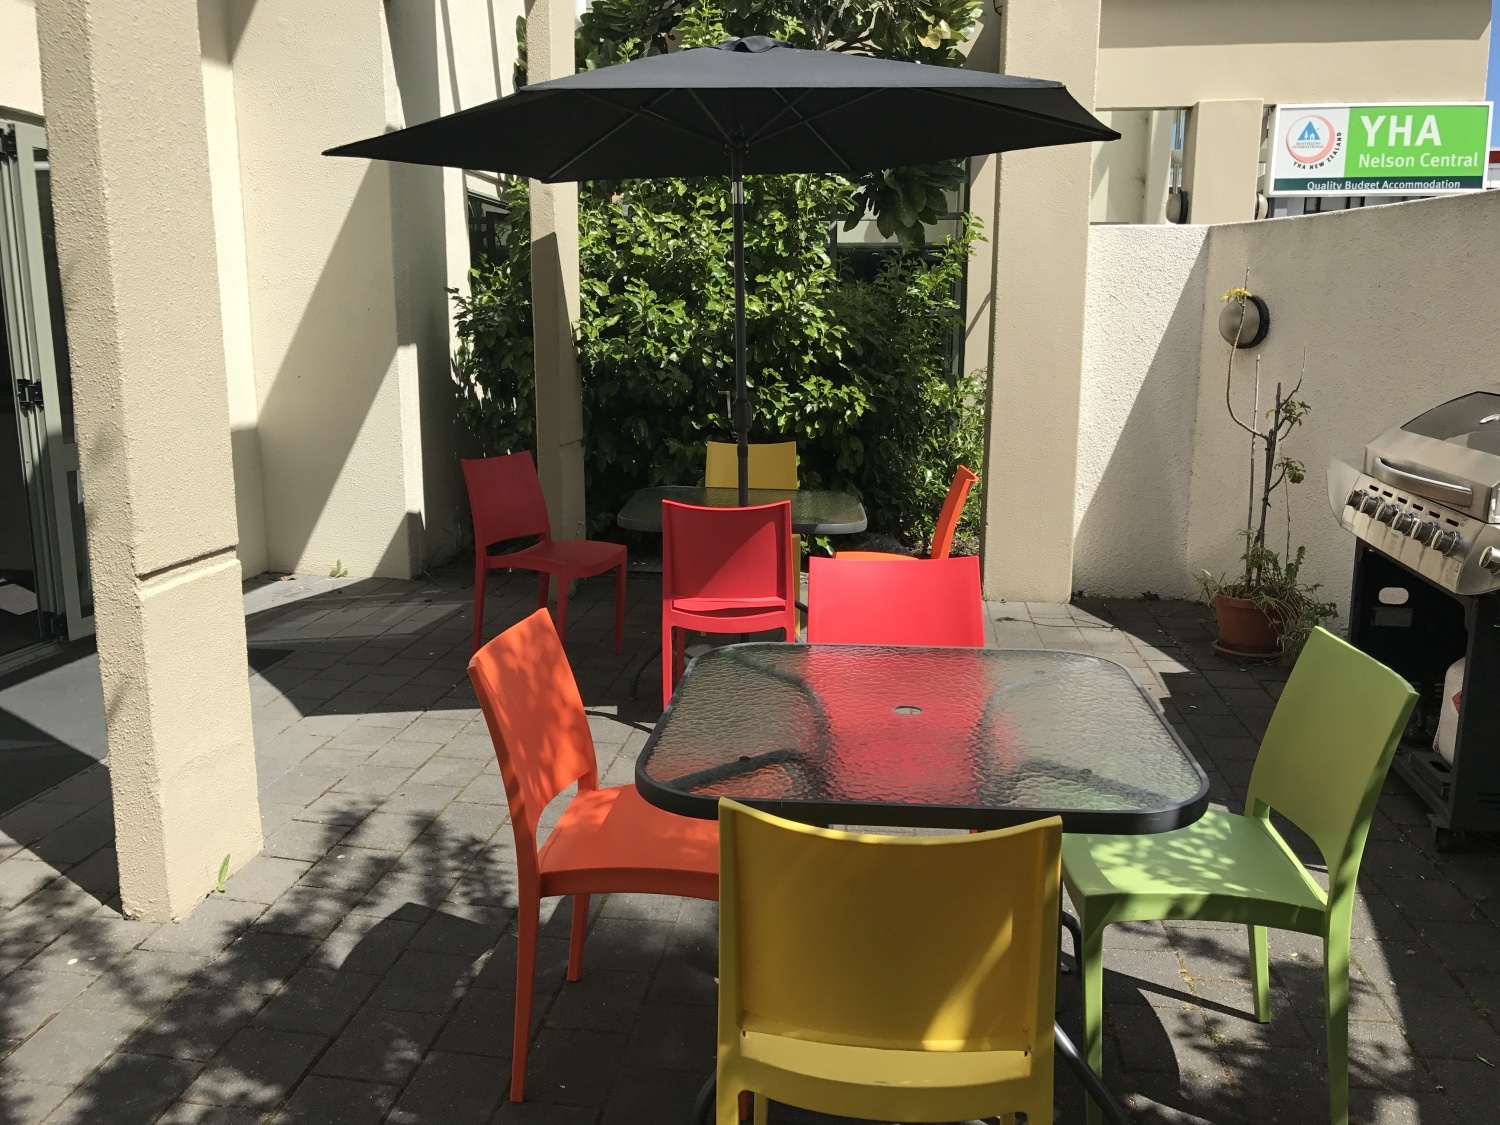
(46, 597)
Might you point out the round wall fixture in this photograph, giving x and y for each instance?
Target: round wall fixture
(1246, 321)
(1177, 205)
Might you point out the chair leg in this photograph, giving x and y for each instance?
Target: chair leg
(1336, 995)
(580, 931)
(1260, 976)
(543, 587)
(762, 1109)
(668, 657)
(481, 572)
(562, 609)
(1092, 969)
(527, 922)
(620, 608)
(726, 1103)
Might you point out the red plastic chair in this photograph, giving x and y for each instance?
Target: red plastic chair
(607, 840)
(888, 602)
(724, 570)
(947, 522)
(506, 500)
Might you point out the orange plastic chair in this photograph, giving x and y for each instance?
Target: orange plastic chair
(607, 840)
(947, 522)
(887, 602)
(505, 498)
(724, 570)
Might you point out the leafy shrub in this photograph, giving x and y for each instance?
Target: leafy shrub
(852, 368)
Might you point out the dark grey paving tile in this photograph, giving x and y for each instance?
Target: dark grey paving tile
(128, 1089)
(317, 1001)
(318, 1100)
(257, 1069)
(380, 1045)
(454, 1089)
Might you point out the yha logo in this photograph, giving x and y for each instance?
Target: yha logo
(1311, 139)
(1400, 130)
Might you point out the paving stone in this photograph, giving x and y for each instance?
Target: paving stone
(31, 998)
(336, 1101)
(28, 1103)
(303, 840)
(196, 1023)
(600, 1000)
(318, 1001)
(453, 1089)
(571, 1066)
(258, 961)
(212, 925)
(257, 1069)
(422, 982)
(381, 1045)
(71, 1044)
(126, 1089)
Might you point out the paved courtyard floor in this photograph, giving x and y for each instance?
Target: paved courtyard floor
(361, 968)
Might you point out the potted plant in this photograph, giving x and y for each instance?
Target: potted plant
(1266, 611)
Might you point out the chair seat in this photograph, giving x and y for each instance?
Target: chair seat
(613, 840)
(880, 1066)
(581, 558)
(726, 606)
(1221, 858)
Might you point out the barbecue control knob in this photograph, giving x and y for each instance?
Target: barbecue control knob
(1406, 522)
(1446, 541)
(1425, 532)
(1387, 513)
(1489, 558)
(1355, 497)
(1370, 504)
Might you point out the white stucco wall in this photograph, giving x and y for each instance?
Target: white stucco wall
(234, 282)
(20, 69)
(1138, 409)
(1395, 306)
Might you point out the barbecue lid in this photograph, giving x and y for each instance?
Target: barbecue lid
(1449, 453)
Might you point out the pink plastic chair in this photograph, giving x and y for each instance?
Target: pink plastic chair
(506, 500)
(724, 570)
(891, 602)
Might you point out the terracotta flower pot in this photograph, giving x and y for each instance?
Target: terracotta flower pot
(1246, 630)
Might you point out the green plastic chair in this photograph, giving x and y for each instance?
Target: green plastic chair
(1321, 765)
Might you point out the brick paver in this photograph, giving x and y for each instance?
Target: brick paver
(361, 968)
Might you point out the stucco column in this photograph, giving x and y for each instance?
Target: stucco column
(135, 239)
(1040, 240)
(554, 294)
(1221, 160)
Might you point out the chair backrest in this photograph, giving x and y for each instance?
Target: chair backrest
(895, 602)
(772, 465)
(1327, 749)
(505, 498)
(945, 943)
(953, 507)
(536, 719)
(732, 554)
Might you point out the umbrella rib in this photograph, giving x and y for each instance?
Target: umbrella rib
(644, 110)
(790, 107)
(808, 119)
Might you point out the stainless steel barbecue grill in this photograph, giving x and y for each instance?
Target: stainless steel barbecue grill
(1425, 509)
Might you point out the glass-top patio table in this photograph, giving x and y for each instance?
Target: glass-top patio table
(923, 737)
(920, 737)
(814, 512)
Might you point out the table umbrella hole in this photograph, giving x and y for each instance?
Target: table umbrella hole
(907, 709)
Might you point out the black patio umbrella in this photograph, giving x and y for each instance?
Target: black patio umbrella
(753, 105)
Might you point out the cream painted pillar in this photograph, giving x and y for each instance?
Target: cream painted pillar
(1221, 160)
(1040, 239)
(135, 236)
(554, 294)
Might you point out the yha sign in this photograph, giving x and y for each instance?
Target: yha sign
(1379, 149)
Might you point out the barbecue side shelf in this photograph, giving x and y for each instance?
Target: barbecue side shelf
(1419, 638)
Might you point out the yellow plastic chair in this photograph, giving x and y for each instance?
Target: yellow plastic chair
(902, 978)
(772, 465)
(1321, 765)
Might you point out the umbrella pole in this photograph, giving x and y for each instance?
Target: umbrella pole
(741, 414)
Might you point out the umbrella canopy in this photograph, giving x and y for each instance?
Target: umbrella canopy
(753, 105)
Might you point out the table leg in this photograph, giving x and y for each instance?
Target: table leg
(635, 684)
(1093, 1085)
(703, 1107)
